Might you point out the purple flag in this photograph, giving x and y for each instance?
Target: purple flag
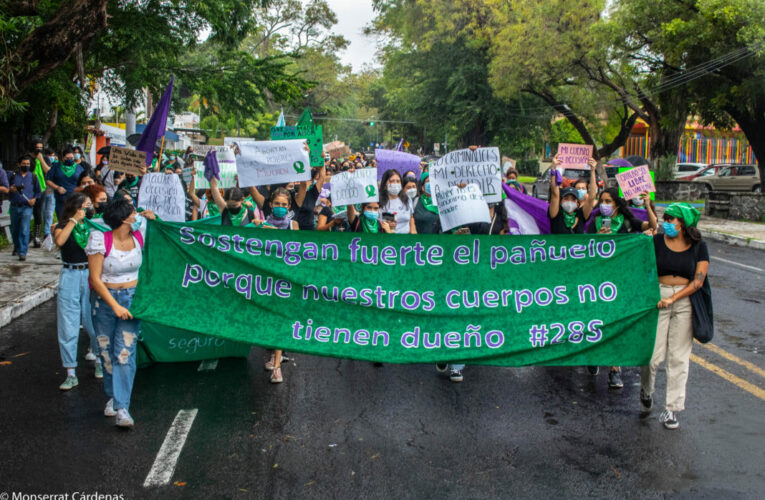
(396, 160)
(211, 165)
(525, 214)
(157, 124)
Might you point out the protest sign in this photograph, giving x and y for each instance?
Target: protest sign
(634, 181)
(227, 165)
(398, 160)
(507, 163)
(574, 155)
(126, 160)
(471, 167)
(186, 174)
(229, 141)
(201, 150)
(526, 300)
(349, 188)
(460, 206)
(163, 194)
(312, 135)
(261, 163)
(337, 149)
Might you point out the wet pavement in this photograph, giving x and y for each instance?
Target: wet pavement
(346, 429)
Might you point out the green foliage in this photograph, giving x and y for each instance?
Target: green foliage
(665, 168)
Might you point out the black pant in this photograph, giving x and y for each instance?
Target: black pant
(38, 217)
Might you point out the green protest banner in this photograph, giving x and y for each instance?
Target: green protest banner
(167, 345)
(305, 129)
(507, 301)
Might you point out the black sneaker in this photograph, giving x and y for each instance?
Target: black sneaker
(615, 379)
(456, 376)
(669, 419)
(36, 243)
(22, 257)
(594, 370)
(285, 358)
(646, 401)
(14, 253)
(441, 367)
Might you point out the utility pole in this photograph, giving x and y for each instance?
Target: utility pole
(446, 145)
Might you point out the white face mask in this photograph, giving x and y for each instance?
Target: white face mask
(568, 206)
(638, 201)
(394, 188)
(411, 193)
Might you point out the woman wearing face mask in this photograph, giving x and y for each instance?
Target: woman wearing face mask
(569, 208)
(63, 178)
(369, 221)
(616, 217)
(79, 158)
(97, 195)
(114, 258)
(426, 219)
(512, 180)
(393, 200)
(682, 261)
(73, 297)
(232, 211)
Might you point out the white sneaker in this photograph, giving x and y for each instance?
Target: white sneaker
(123, 418)
(90, 356)
(109, 410)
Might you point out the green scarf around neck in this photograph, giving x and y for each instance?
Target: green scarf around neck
(427, 202)
(616, 223)
(81, 233)
(569, 218)
(68, 170)
(368, 225)
(236, 219)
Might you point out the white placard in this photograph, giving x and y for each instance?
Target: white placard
(163, 195)
(481, 167)
(261, 163)
(227, 166)
(460, 206)
(360, 186)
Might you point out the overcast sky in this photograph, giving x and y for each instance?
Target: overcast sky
(352, 16)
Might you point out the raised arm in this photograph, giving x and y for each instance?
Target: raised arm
(653, 221)
(260, 200)
(554, 189)
(592, 192)
(217, 198)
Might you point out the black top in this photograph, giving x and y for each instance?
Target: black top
(225, 217)
(304, 214)
(558, 223)
(494, 227)
(426, 221)
(683, 264)
(71, 252)
(631, 224)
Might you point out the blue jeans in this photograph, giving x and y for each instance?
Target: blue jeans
(49, 203)
(73, 310)
(457, 367)
(20, 220)
(117, 340)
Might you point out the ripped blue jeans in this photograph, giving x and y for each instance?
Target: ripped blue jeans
(117, 340)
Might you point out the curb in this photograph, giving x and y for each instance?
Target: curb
(733, 239)
(27, 302)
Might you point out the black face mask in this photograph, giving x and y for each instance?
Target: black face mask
(90, 212)
(24, 168)
(99, 208)
(234, 211)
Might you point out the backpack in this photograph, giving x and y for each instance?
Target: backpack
(109, 241)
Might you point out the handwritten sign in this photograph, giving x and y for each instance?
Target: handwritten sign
(508, 163)
(348, 188)
(575, 156)
(460, 206)
(126, 160)
(311, 133)
(480, 167)
(397, 160)
(201, 150)
(163, 194)
(635, 181)
(261, 163)
(227, 165)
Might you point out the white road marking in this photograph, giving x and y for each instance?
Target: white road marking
(208, 365)
(732, 263)
(164, 465)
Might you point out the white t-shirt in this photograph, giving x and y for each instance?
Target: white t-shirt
(403, 213)
(120, 266)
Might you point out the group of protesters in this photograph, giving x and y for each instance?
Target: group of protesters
(100, 233)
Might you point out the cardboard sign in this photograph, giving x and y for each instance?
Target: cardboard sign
(312, 135)
(261, 163)
(635, 181)
(349, 188)
(575, 155)
(126, 160)
(480, 167)
(508, 163)
(397, 160)
(460, 206)
(163, 194)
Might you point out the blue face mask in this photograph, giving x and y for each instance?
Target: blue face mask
(280, 212)
(51, 160)
(670, 230)
(427, 188)
(135, 226)
(581, 193)
(369, 214)
(77, 156)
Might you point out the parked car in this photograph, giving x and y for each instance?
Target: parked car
(732, 178)
(541, 186)
(687, 169)
(704, 172)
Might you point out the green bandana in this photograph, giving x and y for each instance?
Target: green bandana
(212, 209)
(569, 218)
(369, 226)
(68, 170)
(684, 211)
(81, 232)
(616, 223)
(427, 202)
(131, 184)
(236, 219)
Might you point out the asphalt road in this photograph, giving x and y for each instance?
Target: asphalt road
(345, 429)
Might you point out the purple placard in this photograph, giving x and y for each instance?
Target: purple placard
(402, 162)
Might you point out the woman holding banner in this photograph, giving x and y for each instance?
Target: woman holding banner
(682, 260)
(114, 258)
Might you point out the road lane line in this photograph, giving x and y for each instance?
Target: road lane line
(208, 365)
(741, 383)
(725, 354)
(164, 465)
(732, 263)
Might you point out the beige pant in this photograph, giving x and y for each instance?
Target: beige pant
(674, 339)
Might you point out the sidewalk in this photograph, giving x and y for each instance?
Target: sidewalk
(744, 234)
(26, 285)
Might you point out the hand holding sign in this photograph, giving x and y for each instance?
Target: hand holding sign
(272, 162)
(459, 206)
(575, 156)
(359, 186)
(635, 181)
